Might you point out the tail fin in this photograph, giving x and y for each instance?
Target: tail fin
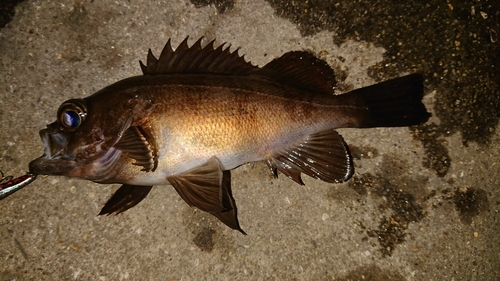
(393, 103)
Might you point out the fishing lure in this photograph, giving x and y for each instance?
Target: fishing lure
(9, 185)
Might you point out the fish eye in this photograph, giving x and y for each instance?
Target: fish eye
(71, 114)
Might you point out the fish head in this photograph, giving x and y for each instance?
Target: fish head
(80, 142)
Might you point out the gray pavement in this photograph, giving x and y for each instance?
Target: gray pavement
(424, 202)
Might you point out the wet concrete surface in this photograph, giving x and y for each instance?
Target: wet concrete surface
(424, 201)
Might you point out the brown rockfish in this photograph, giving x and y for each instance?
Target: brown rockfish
(198, 112)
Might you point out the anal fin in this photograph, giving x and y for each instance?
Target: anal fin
(323, 155)
(208, 188)
(126, 197)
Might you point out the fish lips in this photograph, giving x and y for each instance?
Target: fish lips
(54, 161)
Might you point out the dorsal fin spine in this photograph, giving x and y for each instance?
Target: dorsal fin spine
(143, 68)
(178, 56)
(198, 57)
(222, 59)
(151, 62)
(166, 55)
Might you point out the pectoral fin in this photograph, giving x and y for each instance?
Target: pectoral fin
(126, 197)
(323, 155)
(208, 188)
(137, 144)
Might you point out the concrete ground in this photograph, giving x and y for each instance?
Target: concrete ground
(424, 202)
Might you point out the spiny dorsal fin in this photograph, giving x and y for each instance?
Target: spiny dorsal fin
(197, 60)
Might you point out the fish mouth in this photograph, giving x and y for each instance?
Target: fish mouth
(54, 161)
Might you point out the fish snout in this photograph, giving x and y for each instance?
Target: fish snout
(54, 161)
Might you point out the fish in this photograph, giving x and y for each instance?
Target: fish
(9, 185)
(198, 112)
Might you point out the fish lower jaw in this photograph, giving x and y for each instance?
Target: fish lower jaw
(51, 166)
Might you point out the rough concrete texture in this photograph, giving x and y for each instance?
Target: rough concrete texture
(424, 202)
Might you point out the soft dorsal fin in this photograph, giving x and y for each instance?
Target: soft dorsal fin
(296, 69)
(197, 60)
(301, 70)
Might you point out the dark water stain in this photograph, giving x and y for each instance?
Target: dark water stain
(221, 5)
(403, 196)
(435, 146)
(470, 202)
(360, 184)
(452, 44)
(358, 152)
(199, 225)
(208, 234)
(7, 11)
(371, 273)
(204, 239)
